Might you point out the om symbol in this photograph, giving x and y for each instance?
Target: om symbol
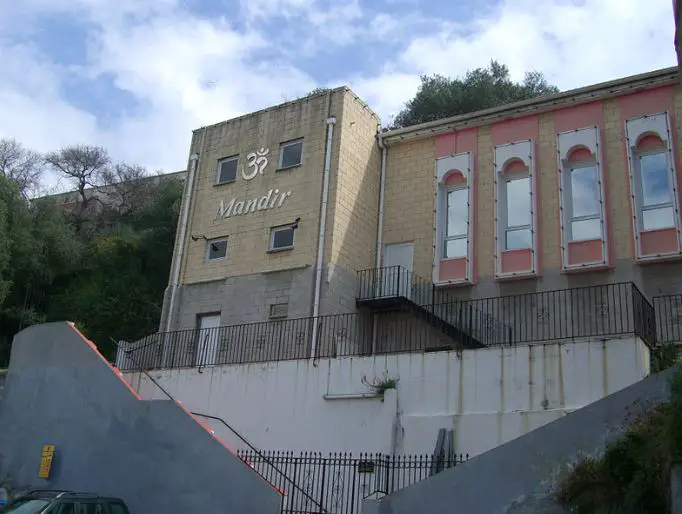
(257, 161)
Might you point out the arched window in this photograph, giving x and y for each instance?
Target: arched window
(583, 225)
(515, 221)
(454, 213)
(653, 187)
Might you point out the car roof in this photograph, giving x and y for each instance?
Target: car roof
(61, 493)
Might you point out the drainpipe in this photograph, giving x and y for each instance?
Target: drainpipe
(380, 225)
(182, 236)
(382, 187)
(331, 121)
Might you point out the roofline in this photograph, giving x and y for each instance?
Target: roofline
(305, 98)
(603, 90)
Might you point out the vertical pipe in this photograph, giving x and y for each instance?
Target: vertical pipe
(331, 121)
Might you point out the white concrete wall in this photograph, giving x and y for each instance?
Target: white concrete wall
(487, 396)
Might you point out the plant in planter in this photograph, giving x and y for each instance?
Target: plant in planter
(379, 385)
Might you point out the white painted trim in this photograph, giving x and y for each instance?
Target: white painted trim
(590, 138)
(658, 124)
(464, 163)
(523, 150)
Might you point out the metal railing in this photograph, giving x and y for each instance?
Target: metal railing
(340, 481)
(668, 318)
(594, 311)
(603, 311)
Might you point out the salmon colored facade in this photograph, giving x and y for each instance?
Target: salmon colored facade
(555, 192)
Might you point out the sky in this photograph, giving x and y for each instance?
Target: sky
(137, 76)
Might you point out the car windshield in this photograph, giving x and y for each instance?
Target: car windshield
(27, 507)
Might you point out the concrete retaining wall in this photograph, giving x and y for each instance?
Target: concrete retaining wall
(519, 477)
(153, 454)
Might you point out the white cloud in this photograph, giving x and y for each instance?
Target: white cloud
(187, 70)
(573, 45)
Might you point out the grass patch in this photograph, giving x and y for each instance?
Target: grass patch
(633, 476)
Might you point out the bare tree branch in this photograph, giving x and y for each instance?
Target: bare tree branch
(84, 166)
(23, 166)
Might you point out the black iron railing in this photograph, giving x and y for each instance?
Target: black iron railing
(604, 311)
(668, 310)
(340, 481)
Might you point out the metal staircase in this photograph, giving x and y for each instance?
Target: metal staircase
(395, 288)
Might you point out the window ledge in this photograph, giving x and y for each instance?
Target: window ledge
(591, 266)
(218, 184)
(660, 257)
(516, 276)
(453, 283)
(278, 250)
(286, 168)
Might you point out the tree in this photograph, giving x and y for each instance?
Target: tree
(22, 166)
(84, 167)
(440, 97)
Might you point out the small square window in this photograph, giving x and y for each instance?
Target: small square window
(227, 170)
(290, 154)
(282, 238)
(217, 249)
(279, 310)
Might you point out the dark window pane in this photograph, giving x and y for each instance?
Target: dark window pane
(291, 154)
(217, 249)
(283, 238)
(227, 171)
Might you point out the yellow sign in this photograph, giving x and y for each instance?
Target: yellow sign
(46, 461)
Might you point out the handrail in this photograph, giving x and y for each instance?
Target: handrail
(235, 432)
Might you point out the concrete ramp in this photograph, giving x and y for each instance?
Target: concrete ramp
(60, 391)
(519, 476)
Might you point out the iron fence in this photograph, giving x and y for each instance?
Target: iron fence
(603, 311)
(607, 310)
(340, 481)
(668, 318)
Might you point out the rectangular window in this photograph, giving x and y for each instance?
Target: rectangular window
(227, 170)
(217, 249)
(279, 310)
(456, 229)
(282, 238)
(517, 233)
(655, 191)
(584, 222)
(290, 154)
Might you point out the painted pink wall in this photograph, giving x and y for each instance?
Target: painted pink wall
(577, 117)
(452, 144)
(640, 104)
(508, 132)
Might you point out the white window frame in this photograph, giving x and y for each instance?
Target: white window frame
(464, 163)
(213, 241)
(523, 150)
(588, 138)
(287, 144)
(658, 125)
(220, 165)
(639, 189)
(464, 235)
(280, 228)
